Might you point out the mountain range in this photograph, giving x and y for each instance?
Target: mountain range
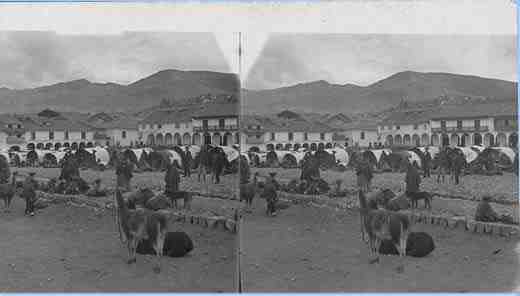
(193, 87)
(412, 87)
(85, 96)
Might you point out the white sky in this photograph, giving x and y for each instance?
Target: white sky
(256, 21)
(288, 59)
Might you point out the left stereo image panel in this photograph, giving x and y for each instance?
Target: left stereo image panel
(119, 159)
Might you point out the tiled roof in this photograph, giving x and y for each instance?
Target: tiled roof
(218, 110)
(35, 122)
(365, 125)
(476, 110)
(113, 121)
(275, 123)
(8, 119)
(173, 115)
(414, 116)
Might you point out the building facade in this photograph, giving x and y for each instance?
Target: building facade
(215, 124)
(479, 124)
(280, 132)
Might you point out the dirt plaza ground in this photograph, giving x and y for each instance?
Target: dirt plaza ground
(312, 249)
(66, 248)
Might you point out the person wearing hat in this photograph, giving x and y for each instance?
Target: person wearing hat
(29, 193)
(187, 162)
(427, 161)
(270, 193)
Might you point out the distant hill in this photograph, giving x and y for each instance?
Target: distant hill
(415, 87)
(85, 96)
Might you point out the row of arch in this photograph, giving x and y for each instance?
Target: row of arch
(54, 146)
(296, 146)
(488, 139)
(226, 139)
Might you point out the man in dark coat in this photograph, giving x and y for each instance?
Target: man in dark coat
(187, 162)
(458, 166)
(204, 162)
(427, 163)
(270, 193)
(364, 174)
(218, 162)
(29, 193)
(124, 172)
(413, 180)
(5, 172)
(172, 180)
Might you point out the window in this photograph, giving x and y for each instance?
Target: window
(415, 126)
(18, 126)
(159, 126)
(221, 123)
(83, 135)
(291, 136)
(459, 124)
(66, 135)
(425, 126)
(177, 125)
(258, 127)
(258, 136)
(477, 124)
(362, 136)
(33, 135)
(305, 136)
(51, 135)
(443, 124)
(10, 126)
(123, 134)
(397, 127)
(322, 136)
(205, 123)
(272, 136)
(249, 127)
(506, 122)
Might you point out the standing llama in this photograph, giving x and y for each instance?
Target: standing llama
(7, 192)
(381, 225)
(141, 224)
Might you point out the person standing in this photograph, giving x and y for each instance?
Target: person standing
(413, 180)
(187, 162)
(124, 174)
(458, 166)
(270, 193)
(427, 164)
(172, 180)
(364, 174)
(29, 193)
(5, 172)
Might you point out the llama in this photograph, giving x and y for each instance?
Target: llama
(141, 224)
(380, 225)
(7, 192)
(248, 191)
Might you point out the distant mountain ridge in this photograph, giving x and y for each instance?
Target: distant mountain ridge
(415, 87)
(85, 96)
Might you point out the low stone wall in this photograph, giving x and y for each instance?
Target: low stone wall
(447, 222)
(210, 222)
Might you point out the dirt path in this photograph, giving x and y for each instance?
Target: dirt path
(308, 249)
(70, 249)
